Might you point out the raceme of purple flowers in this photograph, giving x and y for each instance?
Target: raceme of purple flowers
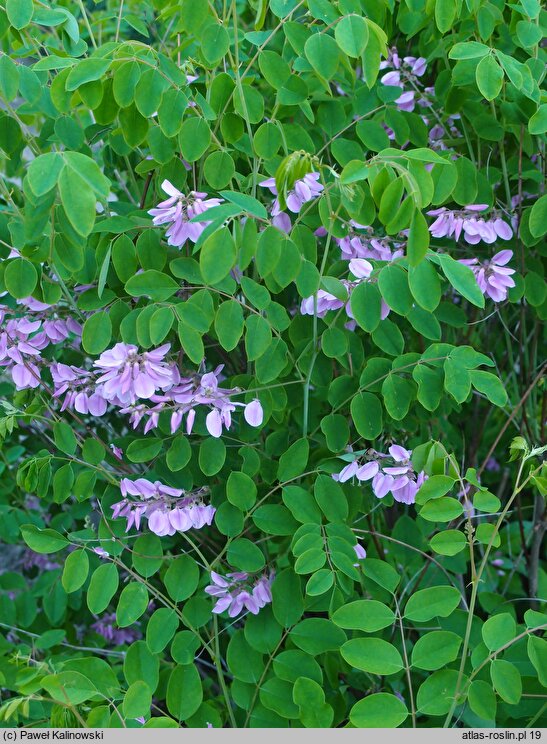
(405, 72)
(186, 395)
(236, 592)
(22, 339)
(391, 472)
(168, 510)
(178, 210)
(494, 276)
(451, 223)
(123, 376)
(321, 303)
(360, 244)
(304, 190)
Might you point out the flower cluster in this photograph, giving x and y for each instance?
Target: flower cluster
(493, 276)
(22, 339)
(236, 592)
(79, 388)
(326, 301)
(304, 190)
(361, 242)
(168, 510)
(404, 72)
(187, 395)
(391, 472)
(178, 210)
(127, 375)
(451, 223)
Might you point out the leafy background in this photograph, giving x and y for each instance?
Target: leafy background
(442, 622)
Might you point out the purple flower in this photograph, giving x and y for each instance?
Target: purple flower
(236, 592)
(362, 243)
(392, 60)
(452, 222)
(23, 339)
(40, 561)
(20, 349)
(406, 101)
(398, 478)
(418, 65)
(391, 78)
(78, 387)
(493, 277)
(116, 451)
(283, 222)
(178, 210)
(189, 393)
(129, 375)
(360, 552)
(367, 471)
(32, 304)
(325, 302)
(304, 190)
(404, 72)
(360, 267)
(253, 413)
(168, 510)
(347, 473)
(438, 132)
